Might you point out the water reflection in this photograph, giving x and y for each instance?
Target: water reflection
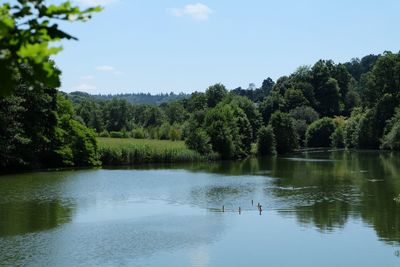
(162, 207)
(321, 189)
(324, 189)
(27, 217)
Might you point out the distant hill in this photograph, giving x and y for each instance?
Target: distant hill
(133, 98)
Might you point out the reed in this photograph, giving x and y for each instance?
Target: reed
(115, 151)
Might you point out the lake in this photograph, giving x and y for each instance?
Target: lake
(318, 209)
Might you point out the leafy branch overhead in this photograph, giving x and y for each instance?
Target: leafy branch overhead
(27, 30)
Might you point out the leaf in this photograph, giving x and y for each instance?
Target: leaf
(38, 52)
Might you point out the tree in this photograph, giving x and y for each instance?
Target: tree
(357, 67)
(294, 98)
(251, 111)
(351, 131)
(90, 112)
(74, 144)
(391, 139)
(117, 114)
(229, 130)
(175, 112)
(319, 133)
(266, 141)
(267, 86)
(328, 98)
(308, 114)
(27, 30)
(215, 94)
(219, 125)
(197, 101)
(38, 130)
(274, 102)
(199, 141)
(282, 84)
(284, 131)
(383, 79)
(343, 77)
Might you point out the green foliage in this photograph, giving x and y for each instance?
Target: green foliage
(391, 140)
(104, 134)
(138, 133)
(215, 94)
(319, 133)
(164, 131)
(272, 103)
(383, 79)
(328, 98)
(295, 98)
(284, 131)
(199, 141)
(175, 133)
(130, 152)
(175, 112)
(219, 125)
(337, 137)
(266, 141)
(75, 144)
(303, 116)
(116, 134)
(91, 114)
(27, 30)
(251, 112)
(352, 100)
(351, 129)
(116, 115)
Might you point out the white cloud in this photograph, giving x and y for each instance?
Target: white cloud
(109, 69)
(197, 11)
(85, 87)
(105, 68)
(95, 2)
(87, 77)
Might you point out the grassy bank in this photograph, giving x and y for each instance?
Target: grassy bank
(128, 151)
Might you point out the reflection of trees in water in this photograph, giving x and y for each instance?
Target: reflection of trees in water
(331, 186)
(28, 217)
(32, 202)
(378, 207)
(328, 191)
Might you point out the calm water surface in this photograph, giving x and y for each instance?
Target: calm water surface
(319, 209)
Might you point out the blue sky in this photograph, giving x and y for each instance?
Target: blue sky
(183, 46)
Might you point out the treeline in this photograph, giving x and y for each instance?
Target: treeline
(133, 98)
(350, 105)
(354, 105)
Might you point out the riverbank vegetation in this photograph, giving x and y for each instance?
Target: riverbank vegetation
(129, 151)
(355, 105)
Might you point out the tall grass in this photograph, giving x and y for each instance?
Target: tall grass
(114, 151)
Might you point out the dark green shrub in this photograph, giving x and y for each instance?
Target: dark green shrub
(351, 129)
(266, 141)
(115, 134)
(198, 140)
(104, 134)
(391, 139)
(319, 133)
(337, 137)
(284, 131)
(138, 133)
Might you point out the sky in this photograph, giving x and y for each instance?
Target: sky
(161, 46)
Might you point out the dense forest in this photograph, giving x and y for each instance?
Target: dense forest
(354, 105)
(133, 98)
